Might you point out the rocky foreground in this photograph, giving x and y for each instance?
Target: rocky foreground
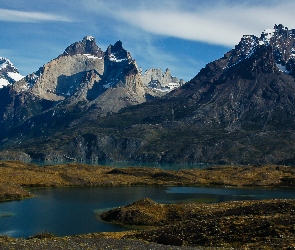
(267, 224)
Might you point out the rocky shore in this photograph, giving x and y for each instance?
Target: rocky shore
(267, 224)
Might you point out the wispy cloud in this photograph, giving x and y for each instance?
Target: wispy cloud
(8, 15)
(214, 22)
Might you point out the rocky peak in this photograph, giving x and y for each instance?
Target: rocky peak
(260, 62)
(6, 65)
(251, 87)
(280, 38)
(86, 46)
(117, 53)
(161, 82)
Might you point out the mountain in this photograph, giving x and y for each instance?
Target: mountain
(237, 109)
(160, 82)
(83, 77)
(8, 73)
(252, 86)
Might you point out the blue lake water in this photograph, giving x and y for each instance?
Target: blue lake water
(69, 211)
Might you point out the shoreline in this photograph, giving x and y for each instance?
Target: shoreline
(17, 178)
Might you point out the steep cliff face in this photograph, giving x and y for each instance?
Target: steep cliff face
(121, 78)
(60, 78)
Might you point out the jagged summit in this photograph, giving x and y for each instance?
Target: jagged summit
(8, 72)
(159, 81)
(106, 82)
(280, 38)
(251, 87)
(117, 53)
(86, 46)
(6, 65)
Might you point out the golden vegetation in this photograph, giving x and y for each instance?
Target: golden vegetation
(243, 224)
(17, 175)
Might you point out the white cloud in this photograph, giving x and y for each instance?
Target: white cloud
(215, 22)
(222, 25)
(25, 16)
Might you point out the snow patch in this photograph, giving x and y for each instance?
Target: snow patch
(173, 85)
(164, 90)
(3, 65)
(267, 35)
(3, 82)
(92, 56)
(283, 69)
(113, 58)
(15, 76)
(89, 38)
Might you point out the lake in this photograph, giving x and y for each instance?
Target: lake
(69, 211)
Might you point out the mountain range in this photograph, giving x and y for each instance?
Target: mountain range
(92, 105)
(83, 75)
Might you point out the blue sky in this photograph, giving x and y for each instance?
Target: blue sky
(182, 35)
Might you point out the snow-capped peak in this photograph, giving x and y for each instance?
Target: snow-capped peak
(8, 73)
(89, 38)
(280, 38)
(4, 63)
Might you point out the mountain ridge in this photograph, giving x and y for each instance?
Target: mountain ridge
(83, 73)
(237, 109)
